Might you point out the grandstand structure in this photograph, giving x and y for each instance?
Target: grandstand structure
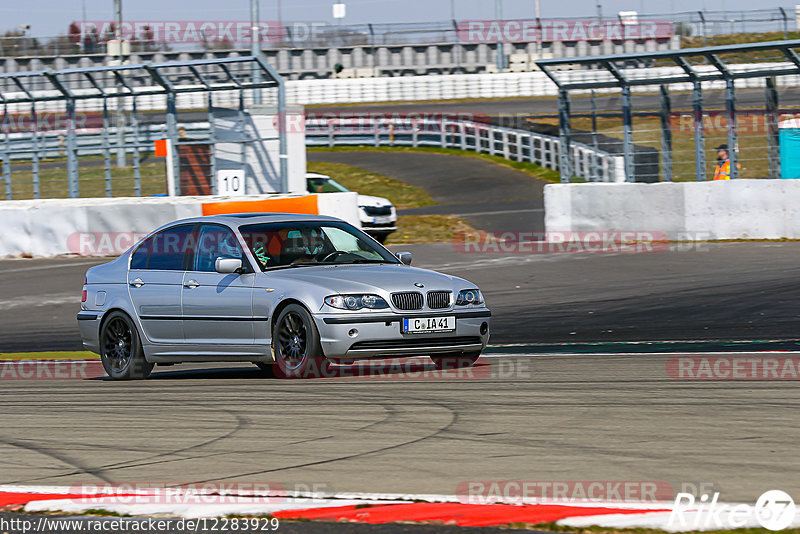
(470, 47)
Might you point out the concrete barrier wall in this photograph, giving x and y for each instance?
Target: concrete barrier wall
(692, 211)
(88, 227)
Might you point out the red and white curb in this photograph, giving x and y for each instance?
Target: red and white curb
(373, 508)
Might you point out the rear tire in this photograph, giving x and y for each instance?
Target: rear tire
(121, 349)
(296, 346)
(450, 362)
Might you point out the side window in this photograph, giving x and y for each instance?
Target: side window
(214, 242)
(169, 247)
(139, 258)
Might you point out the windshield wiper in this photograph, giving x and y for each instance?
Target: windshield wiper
(290, 266)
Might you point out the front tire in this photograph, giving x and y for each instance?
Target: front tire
(121, 349)
(295, 343)
(450, 362)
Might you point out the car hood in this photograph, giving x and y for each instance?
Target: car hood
(372, 202)
(369, 278)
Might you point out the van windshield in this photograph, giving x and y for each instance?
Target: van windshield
(325, 185)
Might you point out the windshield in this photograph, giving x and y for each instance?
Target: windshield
(325, 185)
(279, 245)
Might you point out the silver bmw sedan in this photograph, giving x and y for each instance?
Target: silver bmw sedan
(290, 293)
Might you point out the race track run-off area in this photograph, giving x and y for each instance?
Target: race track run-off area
(665, 372)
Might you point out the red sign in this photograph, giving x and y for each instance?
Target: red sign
(492, 31)
(161, 148)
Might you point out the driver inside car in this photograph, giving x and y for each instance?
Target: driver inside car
(302, 246)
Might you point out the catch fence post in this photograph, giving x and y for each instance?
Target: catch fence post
(564, 135)
(666, 134)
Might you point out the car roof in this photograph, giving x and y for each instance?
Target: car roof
(240, 219)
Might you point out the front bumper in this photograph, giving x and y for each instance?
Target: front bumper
(89, 326)
(379, 334)
(376, 229)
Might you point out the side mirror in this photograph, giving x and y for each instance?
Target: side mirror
(404, 257)
(228, 265)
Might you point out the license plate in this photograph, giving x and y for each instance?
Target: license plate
(381, 220)
(423, 325)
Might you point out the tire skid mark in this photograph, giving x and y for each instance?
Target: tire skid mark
(241, 423)
(95, 472)
(387, 405)
(389, 417)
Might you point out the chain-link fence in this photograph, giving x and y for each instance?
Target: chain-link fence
(81, 132)
(712, 115)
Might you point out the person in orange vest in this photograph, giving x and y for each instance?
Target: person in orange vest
(723, 169)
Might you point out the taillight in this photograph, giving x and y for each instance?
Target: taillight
(83, 295)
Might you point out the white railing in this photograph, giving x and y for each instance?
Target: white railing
(587, 162)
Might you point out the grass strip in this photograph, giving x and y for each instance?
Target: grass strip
(51, 355)
(531, 169)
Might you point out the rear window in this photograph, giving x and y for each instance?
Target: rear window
(165, 250)
(139, 258)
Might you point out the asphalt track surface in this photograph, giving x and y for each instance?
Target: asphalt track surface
(517, 417)
(749, 98)
(488, 196)
(701, 291)
(681, 101)
(521, 416)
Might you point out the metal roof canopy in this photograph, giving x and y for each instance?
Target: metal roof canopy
(161, 76)
(679, 57)
(721, 72)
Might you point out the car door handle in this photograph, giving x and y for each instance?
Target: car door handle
(137, 282)
(191, 284)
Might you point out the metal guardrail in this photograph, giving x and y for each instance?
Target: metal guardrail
(587, 162)
(51, 145)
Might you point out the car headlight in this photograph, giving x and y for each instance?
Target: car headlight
(356, 302)
(469, 296)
